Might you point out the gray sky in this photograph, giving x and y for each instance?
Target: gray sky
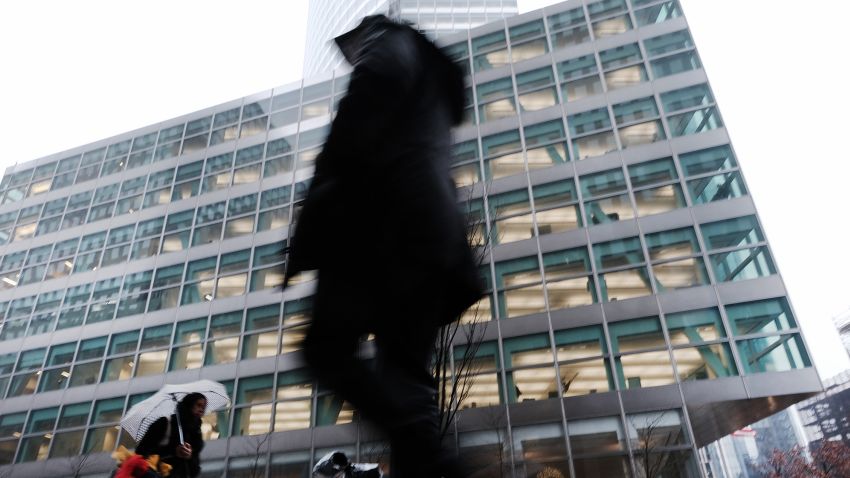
(77, 72)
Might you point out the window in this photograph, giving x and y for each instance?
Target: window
(744, 262)
(657, 13)
(623, 274)
(490, 51)
(556, 206)
(709, 359)
(700, 115)
(622, 66)
(502, 156)
(496, 100)
(712, 175)
(583, 364)
(253, 407)
(775, 353)
(536, 89)
(656, 187)
(545, 145)
(606, 197)
(671, 53)
(638, 122)
(592, 134)
(676, 260)
(528, 365)
(511, 217)
(579, 78)
(766, 316)
(641, 355)
(465, 168)
(568, 28)
(519, 287)
(569, 282)
(588, 437)
(294, 404)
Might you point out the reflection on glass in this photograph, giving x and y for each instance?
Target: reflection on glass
(717, 188)
(484, 391)
(612, 26)
(594, 145)
(537, 100)
(646, 369)
(704, 363)
(571, 293)
(610, 209)
(596, 435)
(773, 354)
(503, 166)
(626, 284)
(585, 377)
(742, 264)
(643, 133)
(623, 77)
(522, 301)
(680, 274)
(151, 363)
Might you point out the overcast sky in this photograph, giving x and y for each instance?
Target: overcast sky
(77, 72)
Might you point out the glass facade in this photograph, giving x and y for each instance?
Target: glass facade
(626, 269)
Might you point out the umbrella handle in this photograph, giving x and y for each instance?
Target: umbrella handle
(177, 414)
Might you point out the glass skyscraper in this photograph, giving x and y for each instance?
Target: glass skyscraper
(635, 312)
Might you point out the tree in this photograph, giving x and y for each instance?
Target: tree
(655, 457)
(257, 448)
(831, 459)
(454, 374)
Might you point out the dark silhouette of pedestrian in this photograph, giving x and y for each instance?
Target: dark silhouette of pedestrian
(381, 225)
(163, 439)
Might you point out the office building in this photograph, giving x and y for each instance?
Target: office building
(842, 323)
(635, 311)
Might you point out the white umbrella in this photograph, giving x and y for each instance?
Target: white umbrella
(163, 403)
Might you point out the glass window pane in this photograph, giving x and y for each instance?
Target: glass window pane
(773, 354)
(625, 284)
(704, 363)
(742, 264)
(190, 330)
(638, 334)
(736, 232)
(595, 434)
(695, 326)
(672, 244)
(229, 323)
(618, 253)
(717, 188)
(710, 160)
(760, 317)
(668, 42)
(685, 98)
(645, 369)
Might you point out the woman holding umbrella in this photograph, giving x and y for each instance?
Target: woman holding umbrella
(163, 437)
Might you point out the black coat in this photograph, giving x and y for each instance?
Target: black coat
(382, 205)
(151, 444)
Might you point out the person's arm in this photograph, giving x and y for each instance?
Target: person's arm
(150, 443)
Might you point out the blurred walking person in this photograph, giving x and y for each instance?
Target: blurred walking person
(381, 225)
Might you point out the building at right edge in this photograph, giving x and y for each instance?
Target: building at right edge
(637, 310)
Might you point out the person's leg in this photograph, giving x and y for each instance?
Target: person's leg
(341, 316)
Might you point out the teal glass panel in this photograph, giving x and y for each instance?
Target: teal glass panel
(695, 326)
(582, 342)
(672, 244)
(74, 415)
(741, 231)
(31, 360)
(263, 317)
(766, 316)
(652, 172)
(566, 263)
(668, 42)
(604, 8)
(637, 334)
(509, 203)
(168, 275)
(717, 188)
(719, 158)
(149, 228)
(485, 356)
(603, 183)
(159, 336)
(566, 19)
(706, 362)
(618, 253)
(517, 272)
(675, 63)
(229, 323)
(107, 411)
(742, 264)
(589, 121)
(577, 67)
(516, 350)
(534, 79)
(658, 13)
(543, 133)
(12, 423)
(622, 55)
(526, 30)
(255, 389)
(501, 143)
(124, 342)
(234, 261)
(42, 420)
(92, 348)
(488, 42)
(773, 354)
(60, 354)
(241, 205)
(694, 122)
(685, 98)
(635, 110)
(190, 331)
(7, 363)
(555, 193)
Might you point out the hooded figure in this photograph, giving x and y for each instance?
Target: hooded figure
(382, 226)
(163, 438)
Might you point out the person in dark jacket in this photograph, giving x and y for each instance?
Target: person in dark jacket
(163, 438)
(381, 224)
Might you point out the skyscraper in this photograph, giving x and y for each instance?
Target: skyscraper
(634, 313)
(328, 18)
